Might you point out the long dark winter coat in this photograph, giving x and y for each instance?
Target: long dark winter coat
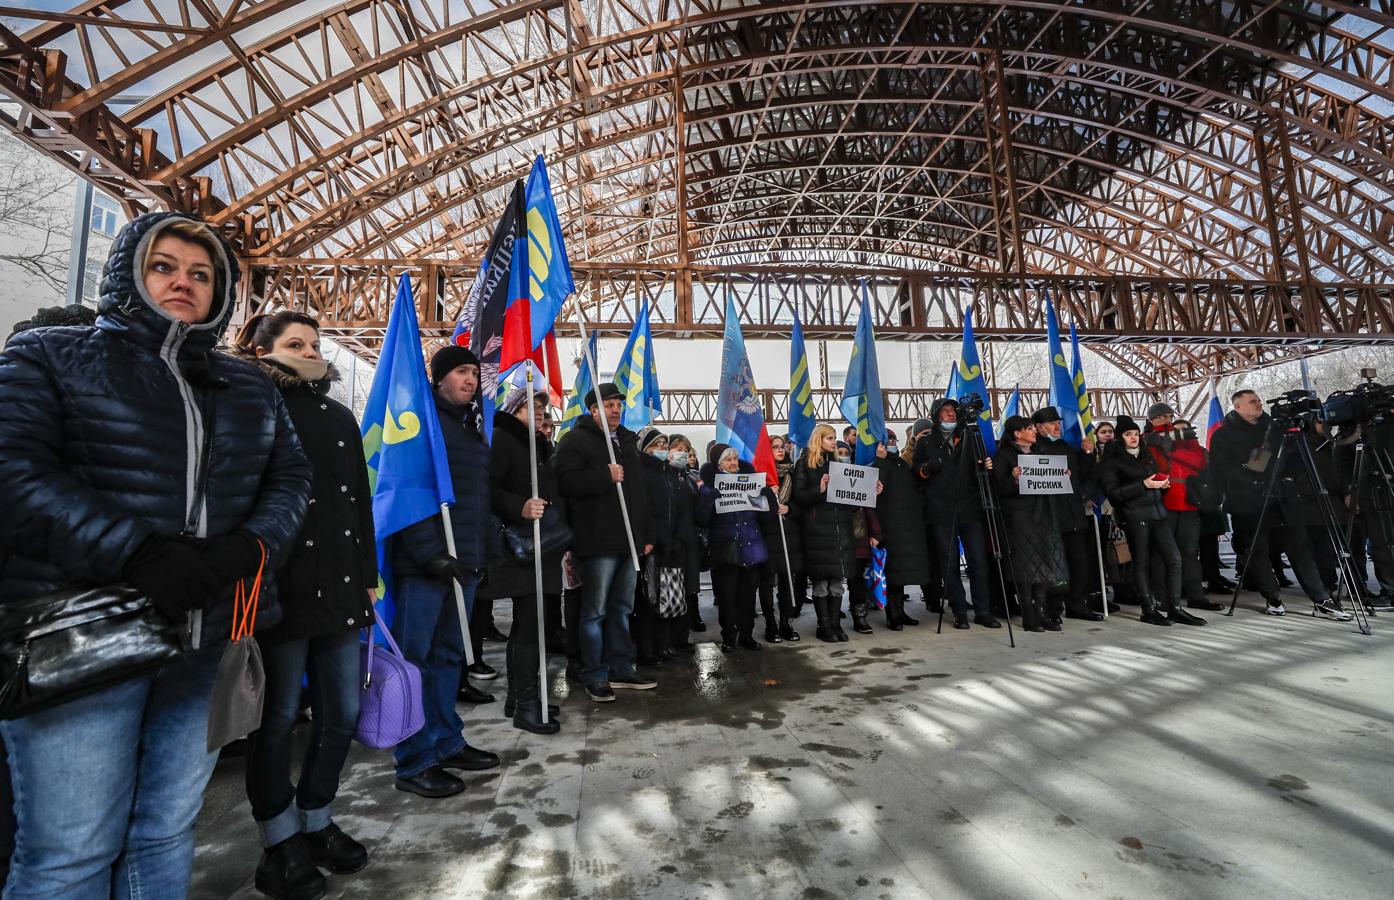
(672, 505)
(476, 540)
(1121, 474)
(949, 473)
(1069, 508)
(1037, 552)
(738, 530)
(826, 528)
(900, 509)
(102, 430)
(581, 466)
(793, 534)
(333, 561)
(510, 485)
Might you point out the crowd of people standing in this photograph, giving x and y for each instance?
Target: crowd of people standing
(141, 450)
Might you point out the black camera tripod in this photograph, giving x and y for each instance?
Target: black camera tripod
(1292, 436)
(1371, 462)
(996, 529)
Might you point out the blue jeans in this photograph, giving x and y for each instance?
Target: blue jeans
(427, 628)
(334, 665)
(107, 787)
(607, 599)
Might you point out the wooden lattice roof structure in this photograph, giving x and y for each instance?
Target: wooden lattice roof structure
(1201, 185)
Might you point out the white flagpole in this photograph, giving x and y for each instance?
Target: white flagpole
(1103, 581)
(605, 426)
(537, 555)
(455, 583)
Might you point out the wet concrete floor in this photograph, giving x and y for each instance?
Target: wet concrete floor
(1247, 758)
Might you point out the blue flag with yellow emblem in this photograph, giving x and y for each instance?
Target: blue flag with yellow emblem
(1084, 406)
(1062, 385)
(637, 375)
(802, 415)
(969, 378)
(407, 470)
(549, 271)
(575, 401)
(861, 394)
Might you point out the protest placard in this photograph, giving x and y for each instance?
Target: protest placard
(851, 485)
(740, 493)
(1044, 475)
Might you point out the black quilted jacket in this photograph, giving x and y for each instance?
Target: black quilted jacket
(101, 433)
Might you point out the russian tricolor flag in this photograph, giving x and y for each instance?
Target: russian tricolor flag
(1216, 416)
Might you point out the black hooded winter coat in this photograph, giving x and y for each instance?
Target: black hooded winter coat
(333, 561)
(102, 434)
(949, 472)
(829, 550)
(900, 509)
(1121, 475)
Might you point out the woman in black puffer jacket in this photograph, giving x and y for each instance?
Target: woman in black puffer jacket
(900, 510)
(134, 453)
(327, 589)
(826, 529)
(1129, 477)
(738, 550)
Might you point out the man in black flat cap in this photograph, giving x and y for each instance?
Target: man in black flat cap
(1072, 515)
(587, 479)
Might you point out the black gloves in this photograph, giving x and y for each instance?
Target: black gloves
(443, 567)
(232, 557)
(171, 574)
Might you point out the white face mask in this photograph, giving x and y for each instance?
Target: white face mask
(948, 426)
(678, 458)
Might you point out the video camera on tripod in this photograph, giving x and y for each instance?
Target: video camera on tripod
(970, 409)
(1370, 403)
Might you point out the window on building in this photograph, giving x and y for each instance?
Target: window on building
(92, 279)
(106, 215)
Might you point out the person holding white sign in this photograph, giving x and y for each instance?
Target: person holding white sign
(1076, 529)
(738, 549)
(1033, 537)
(1133, 485)
(827, 532)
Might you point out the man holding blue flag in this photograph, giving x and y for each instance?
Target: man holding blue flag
(861, 396)
(430, 563)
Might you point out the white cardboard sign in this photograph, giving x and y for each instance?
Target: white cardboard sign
(1041, 475)
(852, 485)
(740, 493)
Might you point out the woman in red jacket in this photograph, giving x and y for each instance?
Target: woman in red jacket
(1179, 455)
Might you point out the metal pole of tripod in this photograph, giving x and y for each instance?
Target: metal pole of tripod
(1344, 571)
(996, 530)
(1258, 526)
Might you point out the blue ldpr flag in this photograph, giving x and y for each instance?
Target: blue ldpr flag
(1085, 406)
(576, 401)
(1012, 408)
(803, 417)
(550, 281)
(969, 378)
(740, 416)
(861, 395)
(637, 375)
(1062, 386)
(407, 469)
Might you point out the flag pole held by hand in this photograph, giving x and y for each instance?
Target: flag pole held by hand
(609, 444)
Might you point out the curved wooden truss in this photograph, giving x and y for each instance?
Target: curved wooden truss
(1204, 178)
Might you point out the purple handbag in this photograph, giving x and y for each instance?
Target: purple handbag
(390, 709)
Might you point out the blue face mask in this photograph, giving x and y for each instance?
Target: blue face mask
(660, 454)
(678, 459)
(948, 426)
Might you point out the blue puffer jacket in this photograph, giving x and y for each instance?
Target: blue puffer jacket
(102, 433)
(476, 540)
(736, 537)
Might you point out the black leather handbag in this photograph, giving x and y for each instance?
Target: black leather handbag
(556, 536)
(61, 646)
